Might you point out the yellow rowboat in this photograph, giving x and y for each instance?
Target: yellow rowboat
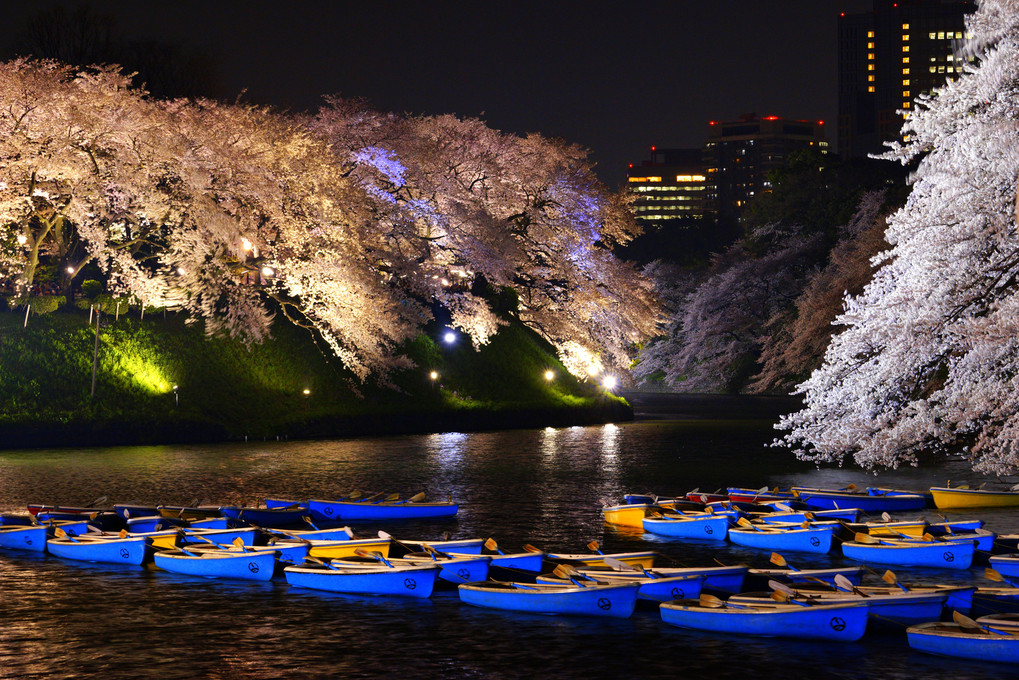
(947, 498)
(630, 515)
(332, 549)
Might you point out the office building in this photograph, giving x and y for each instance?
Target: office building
(887, 57)
(669, 188)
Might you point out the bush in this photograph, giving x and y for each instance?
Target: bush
(91, 288)
(44, 304)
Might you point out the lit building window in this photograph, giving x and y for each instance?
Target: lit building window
(941, 69)
(933, 69)
(870, 34)
(870, 79)
(870, 67)
(941, 35)
(870, 55)
(870, 89)
(870, 46)
(905, 60)
(905, 48)
(905, 27)
(905, 93)
(905, 83)
(905, 71)
(905, 105)
(905, 37)
(932, 36)
(951, 69)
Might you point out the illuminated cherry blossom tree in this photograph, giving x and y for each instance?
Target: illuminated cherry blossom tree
(929, 360)
(352, 223)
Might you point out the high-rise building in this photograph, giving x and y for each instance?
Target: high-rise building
(887, 57)
(739, 155)
(669, 188)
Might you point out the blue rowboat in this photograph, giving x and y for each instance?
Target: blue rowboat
(350, 511)
(652, 589)
(222, 537)
(1006, 565)
(718, 579)
(526, 561)
(758, 578)
(465, 546)
(16, 537)
(249, 566)
(333, 534)
(823, 499)
(131, 550)
(813, 539)
(951, 639)
(703, 527)
(616, 600)
(943, 554)
(995, 601)
(886, 606)
(644, 558)
(267, 517)
(798, 517)
(457, 570)
(368, 579)
(841, 622)
(147, 523)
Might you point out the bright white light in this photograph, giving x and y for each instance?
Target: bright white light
(268, 272)
(70, 270)
(306, 391)
(245, 243)
(434, 375)
(22, 239)
(609, 382)
(180, 270)
(549, 374)
(449, 338)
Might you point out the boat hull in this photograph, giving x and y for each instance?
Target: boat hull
(595, 600)
(957, 555)
(249, 566)
(627, 515)
(812, 540)
(946, 498)
(113, 550)
(844, 623)
(344, 511)
(705, 527)
(949, 639)
(399, 581)
(831, 500)
(31, 538)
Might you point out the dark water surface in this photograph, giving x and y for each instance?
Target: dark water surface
(63, 619)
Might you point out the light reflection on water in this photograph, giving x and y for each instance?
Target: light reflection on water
(66, 619)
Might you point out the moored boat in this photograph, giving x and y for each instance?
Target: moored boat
(267, 517)
(250, 566)
(709, 527)
(950, 498)
(981, 643)
(719, 579)
(903, 553)
(30, 537)
(616, 600)
(130, 550)
(367, 579)
(827, 499)
(627, 514)
(816, 538)
(841, 622)
(634, 559)
(1006, 565)
(652, 588)
(352, 511)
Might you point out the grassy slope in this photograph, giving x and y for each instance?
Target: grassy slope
(228, 391)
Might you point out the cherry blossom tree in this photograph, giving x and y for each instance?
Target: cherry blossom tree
(352, 223)
(929, 360)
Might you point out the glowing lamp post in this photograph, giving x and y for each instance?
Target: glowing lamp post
(449, 337)
(176, 396)
(550, 375)
(609, 382)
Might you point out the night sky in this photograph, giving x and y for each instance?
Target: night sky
(616, 80)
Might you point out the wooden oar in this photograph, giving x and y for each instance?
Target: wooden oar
(490, 544)
(531, 549)
(568, 572)
(969, 624)
(993, 575)
(324, 563)
(620, 565)
(308, 521)
(593, 545)
(388, 537)
(780, 561)
(375, 555)
(783, 593)
(890, 578)
(60, 533)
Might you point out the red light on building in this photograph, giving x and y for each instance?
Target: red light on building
(711, 122)
(652, 147)
(820, 122)
(771, 118)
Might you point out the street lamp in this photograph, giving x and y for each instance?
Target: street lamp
(176, 397)
(609, 382)
(449, 338)
(434, 375)
(549, 375)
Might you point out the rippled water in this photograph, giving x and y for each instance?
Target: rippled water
(68, 619)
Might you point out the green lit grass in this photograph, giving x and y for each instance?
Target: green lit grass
(229, 391)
